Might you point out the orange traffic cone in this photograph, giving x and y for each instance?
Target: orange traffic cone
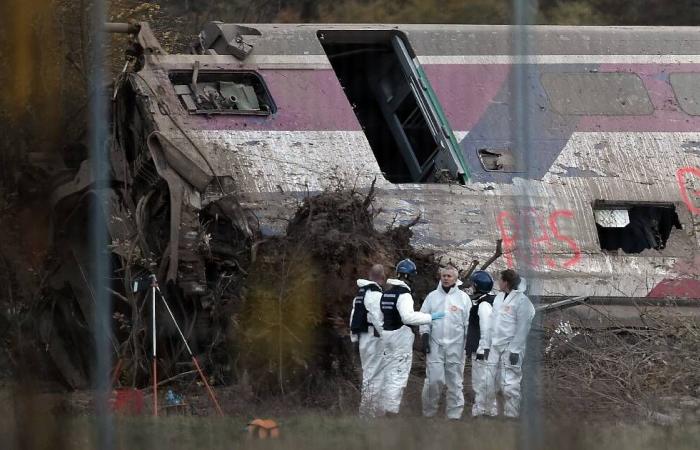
(263, 429)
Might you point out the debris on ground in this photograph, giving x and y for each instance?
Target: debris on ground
(649, 372)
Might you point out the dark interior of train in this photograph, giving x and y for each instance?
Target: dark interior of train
(371, 75)
(649, 227)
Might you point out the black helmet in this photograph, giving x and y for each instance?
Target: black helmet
(482, 281)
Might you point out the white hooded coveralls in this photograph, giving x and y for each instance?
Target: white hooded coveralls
(510, 326)
(398, 349)
(444, 364)
(371, 352)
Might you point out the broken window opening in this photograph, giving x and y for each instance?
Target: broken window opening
(395, 105)
(241, 92)
(635, 227)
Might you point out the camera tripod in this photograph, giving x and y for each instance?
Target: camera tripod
(155, 294)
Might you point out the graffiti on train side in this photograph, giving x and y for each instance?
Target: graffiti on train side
(690, 190)
(545, 237)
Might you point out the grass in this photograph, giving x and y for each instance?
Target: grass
(317, 431)
(29, 423)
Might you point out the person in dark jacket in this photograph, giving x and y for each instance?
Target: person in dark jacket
(482, 298)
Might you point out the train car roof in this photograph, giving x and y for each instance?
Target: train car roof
(302, 39)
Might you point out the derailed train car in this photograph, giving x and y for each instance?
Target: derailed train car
(605, 200)
(602, 199)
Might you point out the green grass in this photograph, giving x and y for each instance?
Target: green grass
(316, 431)
(31, 425)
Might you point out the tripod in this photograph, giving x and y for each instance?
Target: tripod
(155, 293)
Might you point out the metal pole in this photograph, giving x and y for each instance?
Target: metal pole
(530, 433)
(194, 359)
(154, 286)
(99, 249)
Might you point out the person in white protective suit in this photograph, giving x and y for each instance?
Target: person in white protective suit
(443, 343)
(506, 340)
(365, 328)
(481, 285)
(397, 338)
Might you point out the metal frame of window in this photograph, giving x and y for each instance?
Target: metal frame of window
(196, 74)
(448, 154)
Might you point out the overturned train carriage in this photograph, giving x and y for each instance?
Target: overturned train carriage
(601, 199)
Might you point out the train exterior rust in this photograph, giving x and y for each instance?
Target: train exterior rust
(614, 126)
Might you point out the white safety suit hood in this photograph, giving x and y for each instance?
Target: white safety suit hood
(396, 282)
(450, 331)
(511, 320)
(362, 283)
(477, 297)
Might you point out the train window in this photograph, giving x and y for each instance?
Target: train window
(242, 92)
(686, 87)
(635, 227)
(591, 94)
(396, 106)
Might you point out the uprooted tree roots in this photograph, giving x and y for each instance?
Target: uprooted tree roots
(276, 310)
(292, 332)
(276, 323)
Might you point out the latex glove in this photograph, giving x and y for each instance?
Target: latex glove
(514, 358)
(425, 340)
(437, 315)
(486, 354)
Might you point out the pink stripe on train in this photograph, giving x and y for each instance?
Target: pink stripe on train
(313, 100)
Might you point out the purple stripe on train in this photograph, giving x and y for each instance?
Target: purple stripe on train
(476, 98)
(307, 100)
(549, 130)
(667, 115)
(495, 128)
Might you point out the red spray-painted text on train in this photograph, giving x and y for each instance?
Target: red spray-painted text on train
(682, 176)
(544, 234)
